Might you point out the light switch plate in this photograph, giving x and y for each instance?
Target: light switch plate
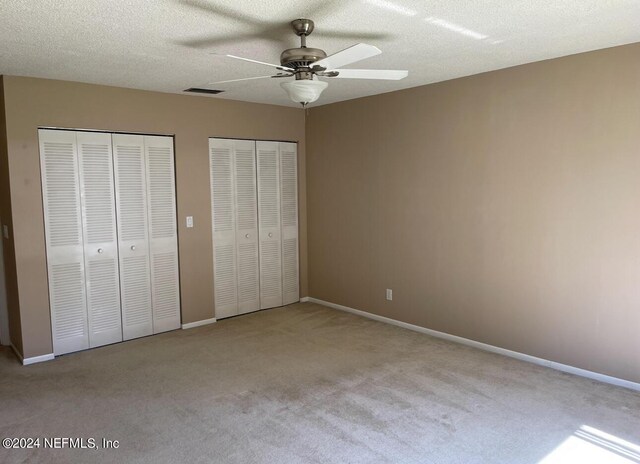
(189, 222)
(5, 231)
(389, 294)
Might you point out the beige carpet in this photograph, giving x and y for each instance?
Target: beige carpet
(304, 384)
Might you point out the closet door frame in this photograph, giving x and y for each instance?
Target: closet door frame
(271, 232)
(81, 253)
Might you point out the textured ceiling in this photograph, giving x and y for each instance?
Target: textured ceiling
(164, 45)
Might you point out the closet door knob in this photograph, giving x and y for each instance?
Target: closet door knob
(246, 236)
(270, 235)
(133, 247)
(100, 250)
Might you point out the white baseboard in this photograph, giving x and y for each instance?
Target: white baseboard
(483, 346)
(191, 325)
(33, 360)
(304, 299)
(38, 359)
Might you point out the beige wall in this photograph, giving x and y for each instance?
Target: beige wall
(11, 282)
(31, 103)
(502, 207)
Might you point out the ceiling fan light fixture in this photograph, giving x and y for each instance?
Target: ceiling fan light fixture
(304, 91)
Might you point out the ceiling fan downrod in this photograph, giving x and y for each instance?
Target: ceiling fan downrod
(302, 28)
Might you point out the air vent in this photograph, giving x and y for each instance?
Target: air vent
(209, 91)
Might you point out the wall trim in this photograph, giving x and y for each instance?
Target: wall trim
(304, 299)
(34, 359)
(191, 325)
(486, 347)
(38, 359)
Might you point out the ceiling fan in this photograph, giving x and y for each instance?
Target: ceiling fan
(306, 64)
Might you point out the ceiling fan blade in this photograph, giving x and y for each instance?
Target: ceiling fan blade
(273, 31)
(321, 8)
(388, 74)
(347, 56)
(280, 33)
(333, 34)
(221, 11)
(209, 41)
(247, 79)
(277, 66)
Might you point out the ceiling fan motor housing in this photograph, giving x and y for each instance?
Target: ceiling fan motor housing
(301, 57)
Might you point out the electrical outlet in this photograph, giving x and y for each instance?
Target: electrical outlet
(189, 222)
(389, 294)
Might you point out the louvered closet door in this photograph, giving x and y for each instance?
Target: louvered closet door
(163, 234)
(246, 202)
(246, 226)
(131, 209)
(268, 170)
(63, 234)
(289, 215)
(221, 162)
(100, 241)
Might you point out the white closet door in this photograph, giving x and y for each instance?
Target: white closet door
(289, 215)
(100, 241)
(131, 209)
(268, 160)
(221, 164)
(63, 234)
(246, 202)
(163, 234)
